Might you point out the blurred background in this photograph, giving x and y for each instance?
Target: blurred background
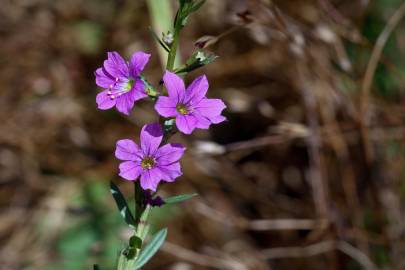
(307, 173)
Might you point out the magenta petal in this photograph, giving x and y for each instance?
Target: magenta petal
(104, 102)
(202, 121)
(217, 119)
(150, 179)
(151, 137)
(127, 150)
(125, 103)
(210, 107)
(166, 106)
(196, 90)
(130, 170)
(138, 62)
(170, 172)
(169, 153)
(116, 65)
(115, 58)
(174, 85)
(138, 91)
(102, 79)
(186, 123)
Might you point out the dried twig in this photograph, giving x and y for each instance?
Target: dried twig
(257, 142)
(259, 224)
(203, 260)
(369, 75)
(314, 142)
(287, 224)
(320, 248)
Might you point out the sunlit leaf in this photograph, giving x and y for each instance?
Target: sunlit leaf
(151, 249)
(122, 204)
(179, 198)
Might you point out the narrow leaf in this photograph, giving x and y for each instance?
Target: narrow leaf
(197, 60)
(161, 15)
(122, 204)
(179, 198)
(150, 250)
(157, 38)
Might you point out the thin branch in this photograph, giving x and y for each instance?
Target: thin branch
(286, 224)
(259, 224)
(369, 75)
(255, 143)
(314, 142)
(320, 248)
(202, 260)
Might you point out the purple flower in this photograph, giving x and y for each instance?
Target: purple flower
(189, 106)
(149, 161)
(121, 81)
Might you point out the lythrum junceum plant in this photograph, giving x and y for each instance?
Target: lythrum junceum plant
(153, 159)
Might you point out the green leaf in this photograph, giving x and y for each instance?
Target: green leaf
(150, 250)
(197, 60)
(179, 198)
(157, 38)
(122, 205)
(95, 267)
(161, 15)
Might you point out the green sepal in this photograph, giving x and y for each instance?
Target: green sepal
(168, 125)
(149, 88)
(135, 244)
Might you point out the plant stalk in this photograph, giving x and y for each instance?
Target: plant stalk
(173, 50)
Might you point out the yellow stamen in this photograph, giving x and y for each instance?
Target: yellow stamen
(148, 163)
(181, 108)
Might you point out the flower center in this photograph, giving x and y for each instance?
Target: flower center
(148, 163)
(120, 88)
(128, 85)
(181, 108)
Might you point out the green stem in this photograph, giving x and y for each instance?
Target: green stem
(121, 262)
(173, 49)
(139, 201)
(143, 226)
